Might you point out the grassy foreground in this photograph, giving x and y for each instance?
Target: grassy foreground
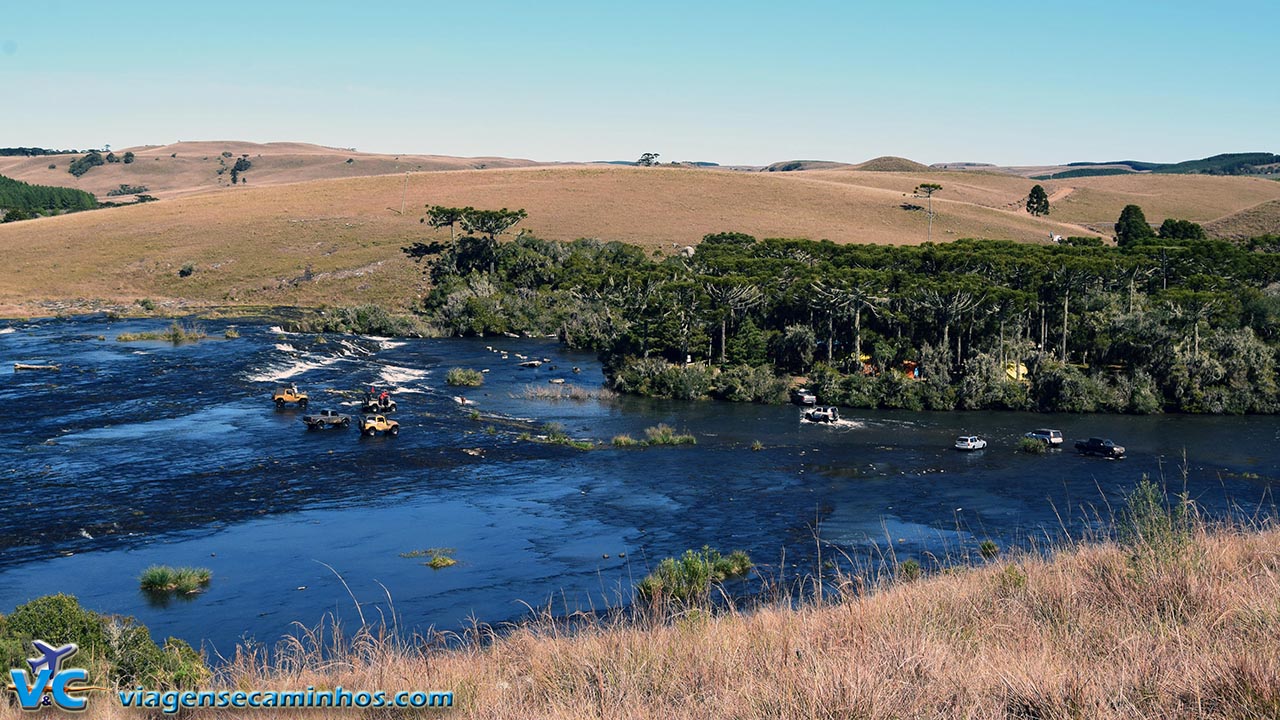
(1152, 630)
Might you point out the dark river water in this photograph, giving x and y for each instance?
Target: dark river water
(143, 453)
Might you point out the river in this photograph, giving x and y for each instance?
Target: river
(144, 453)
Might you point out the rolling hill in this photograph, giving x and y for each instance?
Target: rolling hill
(338, 240)
(186, 168)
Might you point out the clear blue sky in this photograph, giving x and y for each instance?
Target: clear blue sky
(731, 82)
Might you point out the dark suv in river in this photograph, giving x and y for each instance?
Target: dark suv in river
(1100, 447)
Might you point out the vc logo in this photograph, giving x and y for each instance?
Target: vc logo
(48, 684)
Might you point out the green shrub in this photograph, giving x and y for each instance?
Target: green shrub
(1153, 524)
(555, 432)
(1010, 581)
(988, 549)
(909, 570)
(186, 270)
(752, 384)
(464, 377)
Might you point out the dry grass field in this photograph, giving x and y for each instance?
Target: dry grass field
(1099, 631)
(288, 239)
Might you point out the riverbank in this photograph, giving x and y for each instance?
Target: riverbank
(1157, 627)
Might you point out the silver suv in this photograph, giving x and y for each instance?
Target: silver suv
(1052, 438)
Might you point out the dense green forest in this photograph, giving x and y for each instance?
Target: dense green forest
(1082, 172)
(1159, 325)
(1259, 163)
(1225, 164)
(23, 200)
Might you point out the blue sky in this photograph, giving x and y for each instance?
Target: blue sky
(731, 82)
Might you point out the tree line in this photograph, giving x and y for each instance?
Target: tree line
(1156, 324)
(23, 200)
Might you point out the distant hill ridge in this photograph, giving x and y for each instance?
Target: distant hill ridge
(884, 163)
(1253, 163)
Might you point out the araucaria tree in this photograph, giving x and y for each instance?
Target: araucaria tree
(1132, 227)
(491, 223)
(439, 216)
(1038, 201)
(928, 189)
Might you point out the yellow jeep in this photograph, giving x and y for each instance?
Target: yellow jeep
(373, 424)
(289, 395)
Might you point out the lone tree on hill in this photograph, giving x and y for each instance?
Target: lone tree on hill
(648, 160)
(1038, 201)
(1132, 227)
(928, 189)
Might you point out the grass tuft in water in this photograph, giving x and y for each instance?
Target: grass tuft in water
(165, 579)
(177, 333)
(663, 434)
(689, 578)
(437, 557)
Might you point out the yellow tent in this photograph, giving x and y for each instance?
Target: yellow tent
(1016, 371)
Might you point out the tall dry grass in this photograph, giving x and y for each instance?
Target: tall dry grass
(1099, 631)
(1096, 632)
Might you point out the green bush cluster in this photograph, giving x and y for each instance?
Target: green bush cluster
(85, 163)
(655, 377)
(361, 320)
(116, 650)
(127, 189)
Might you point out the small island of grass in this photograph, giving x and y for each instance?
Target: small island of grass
(464, 377)
(183, 581)
(177, 333)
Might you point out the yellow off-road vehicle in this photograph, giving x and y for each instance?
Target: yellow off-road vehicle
(289, 394)
(373, 424)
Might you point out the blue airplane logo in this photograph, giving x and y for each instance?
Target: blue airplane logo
(51, 657)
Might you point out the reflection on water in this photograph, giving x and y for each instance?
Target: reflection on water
(142, 453)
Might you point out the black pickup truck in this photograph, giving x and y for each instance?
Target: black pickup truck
(326, 419)
(1100, 447)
